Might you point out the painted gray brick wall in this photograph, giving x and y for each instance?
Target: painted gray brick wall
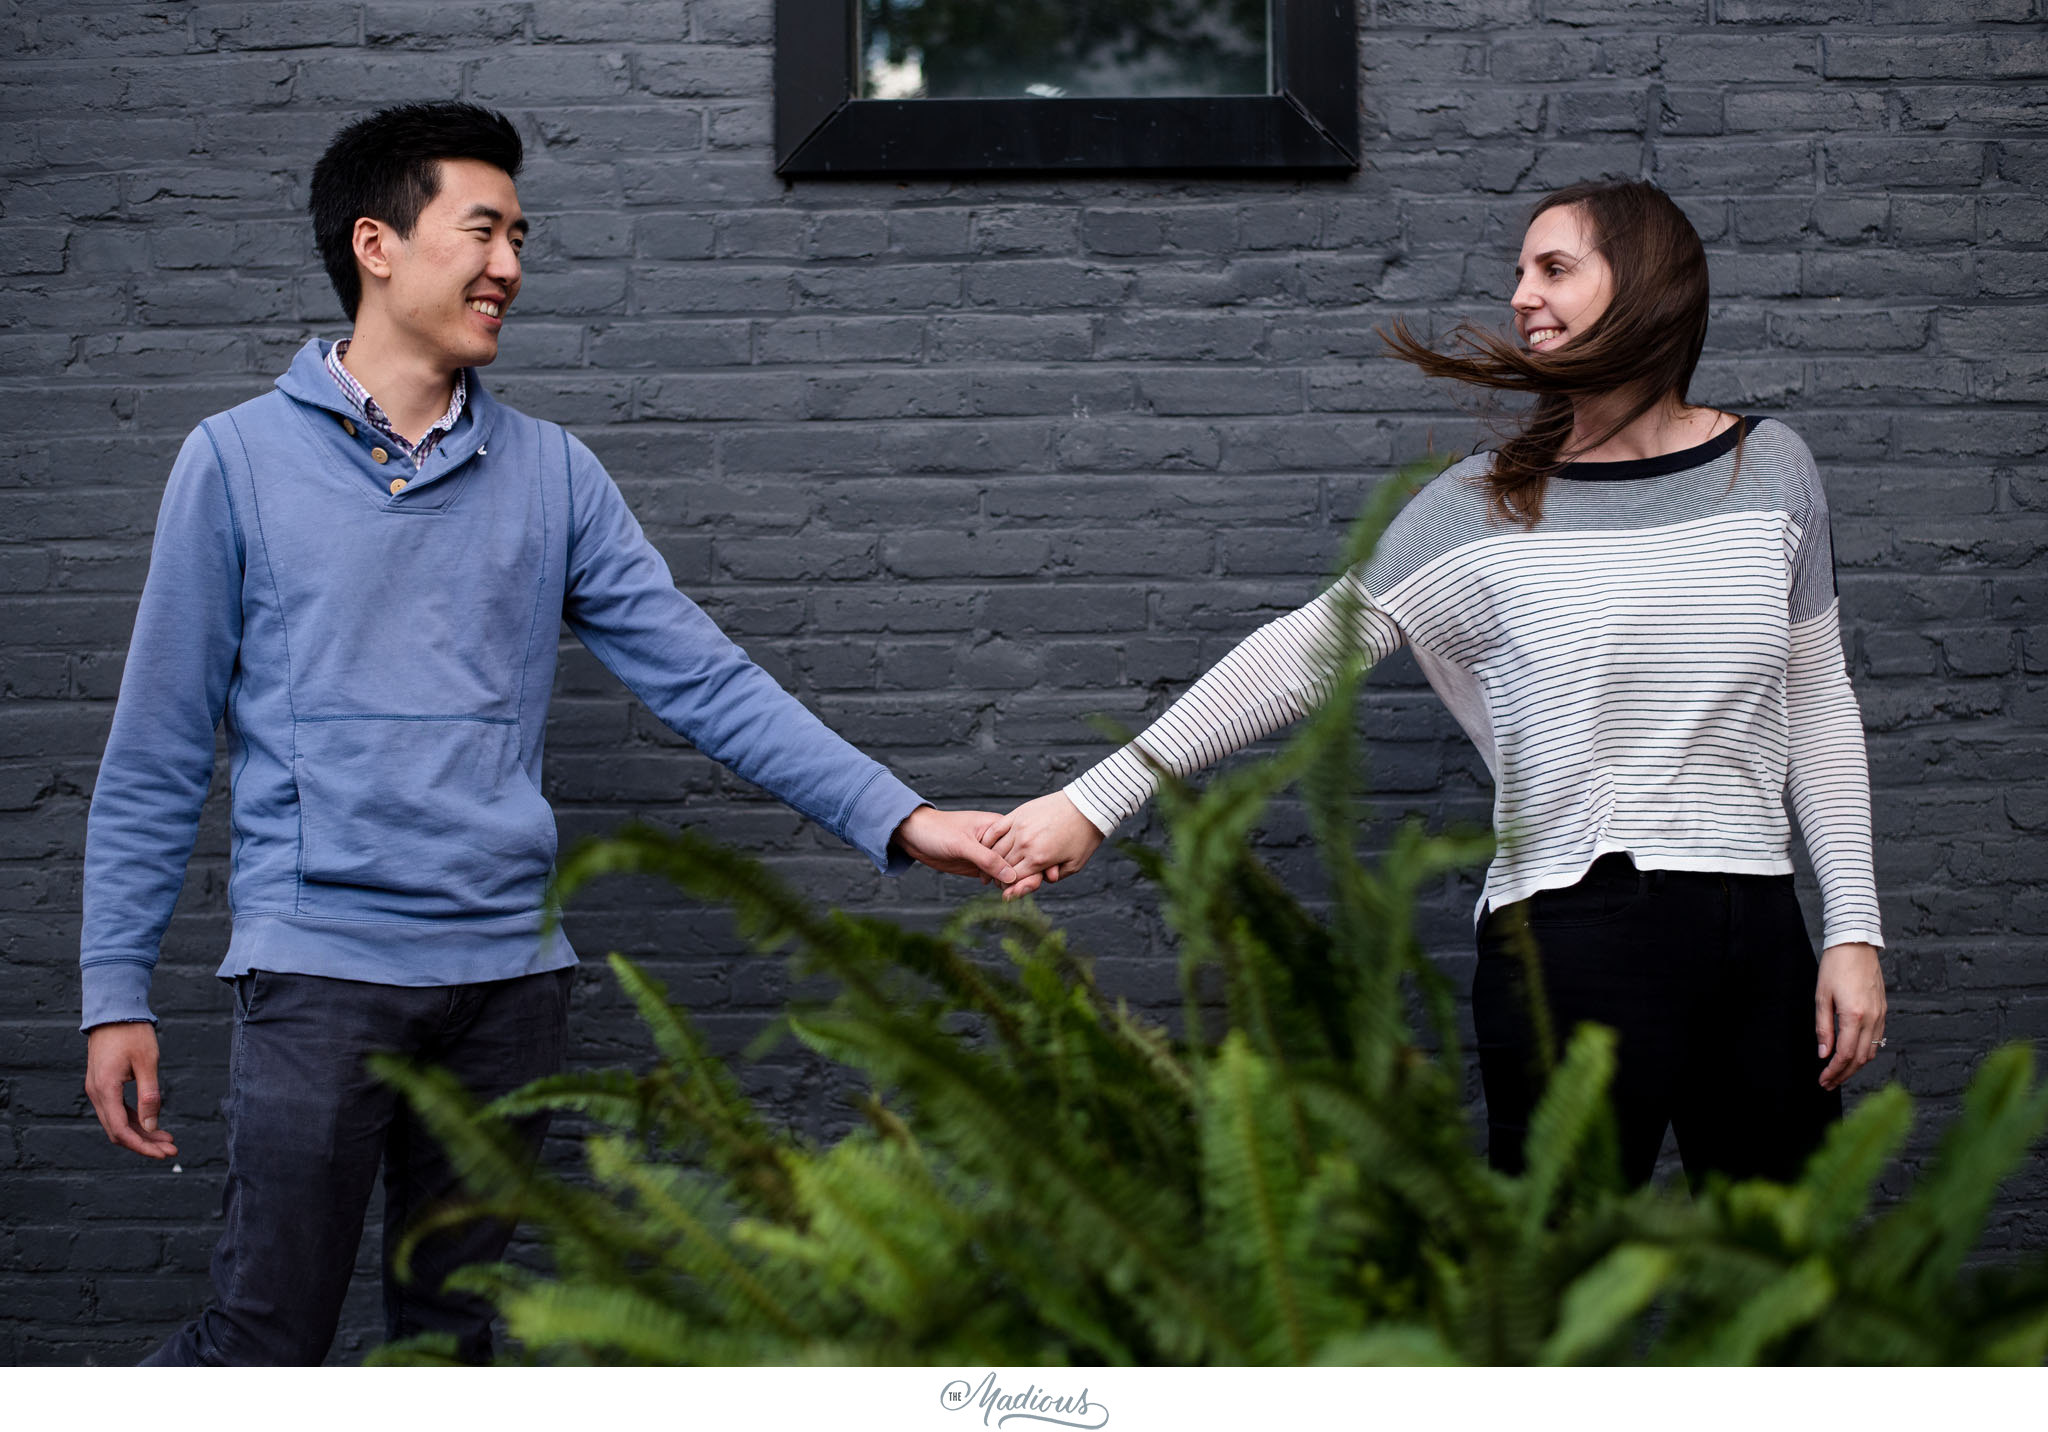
(965, 463)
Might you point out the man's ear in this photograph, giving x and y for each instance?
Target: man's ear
(372, 241)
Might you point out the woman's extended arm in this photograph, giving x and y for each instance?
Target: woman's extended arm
(1272, 678)
(1829, 780)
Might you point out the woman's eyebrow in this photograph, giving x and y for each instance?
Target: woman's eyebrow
(1549, 254)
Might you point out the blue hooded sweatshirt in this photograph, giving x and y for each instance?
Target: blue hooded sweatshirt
(381, 642)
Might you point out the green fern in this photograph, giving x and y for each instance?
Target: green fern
(1042, 1175)
(1599, 1308)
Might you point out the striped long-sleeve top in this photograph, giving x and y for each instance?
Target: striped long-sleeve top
(1650, 669)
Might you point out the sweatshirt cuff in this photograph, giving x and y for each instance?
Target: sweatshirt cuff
(116, 991)
(881, 806)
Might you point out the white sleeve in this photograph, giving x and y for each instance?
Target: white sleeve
(1272, 678)
(1829, 771)
(1830, 779)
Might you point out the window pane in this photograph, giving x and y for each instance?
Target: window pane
(1013, 49)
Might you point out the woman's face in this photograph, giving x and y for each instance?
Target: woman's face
(1562, 282)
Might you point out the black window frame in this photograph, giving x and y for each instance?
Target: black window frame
(822, 128)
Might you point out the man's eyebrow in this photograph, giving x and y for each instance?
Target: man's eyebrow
(485, 211)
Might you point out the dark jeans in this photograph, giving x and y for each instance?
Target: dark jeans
(308, 1125)
(1708, 981)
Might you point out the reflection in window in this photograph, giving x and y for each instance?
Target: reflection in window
(1047, 49)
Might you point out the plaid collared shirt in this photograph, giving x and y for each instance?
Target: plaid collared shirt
(374, 415)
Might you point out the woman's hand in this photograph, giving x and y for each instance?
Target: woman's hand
(1042, 840)
(1848, 1010)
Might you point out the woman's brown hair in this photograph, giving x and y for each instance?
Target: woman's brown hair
(1646, 344)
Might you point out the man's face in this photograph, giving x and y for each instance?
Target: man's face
(452, 281)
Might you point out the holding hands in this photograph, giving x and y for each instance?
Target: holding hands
(949, 841)
(1041, 840)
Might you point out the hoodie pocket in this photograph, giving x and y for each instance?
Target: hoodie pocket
(409, 816)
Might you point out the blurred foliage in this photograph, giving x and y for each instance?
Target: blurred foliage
(971, 49)
(1041, 1176)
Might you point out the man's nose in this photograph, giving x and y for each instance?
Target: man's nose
(505, 263)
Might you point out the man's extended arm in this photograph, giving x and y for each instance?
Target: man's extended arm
(623, 604)
(152, 783)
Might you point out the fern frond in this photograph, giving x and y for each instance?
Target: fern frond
(2017, 1338)
(1570, 1131)
(1250, 1189)
(420, 1350)
(1114, 1220)
(683, 1210)
(1600, 1305)
(601, 1320)
(878, 1226)
(614, 1097)
(1392, 1346)
(1834, 1191)
(1919, 1246)
(495, 1165)
(1787, 1303)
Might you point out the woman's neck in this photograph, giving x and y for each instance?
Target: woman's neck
(1665, 427)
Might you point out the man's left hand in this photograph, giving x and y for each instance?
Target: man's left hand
(949, 841)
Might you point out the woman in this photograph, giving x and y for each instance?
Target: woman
(1630, 608)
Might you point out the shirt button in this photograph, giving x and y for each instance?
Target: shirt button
(348, 427)
(378, 455)
(397, 486)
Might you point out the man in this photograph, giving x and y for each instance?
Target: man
(365, 572)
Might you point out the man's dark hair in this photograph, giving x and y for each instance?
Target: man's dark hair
(387, 168)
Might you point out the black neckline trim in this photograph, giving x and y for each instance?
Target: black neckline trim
(1681, 461)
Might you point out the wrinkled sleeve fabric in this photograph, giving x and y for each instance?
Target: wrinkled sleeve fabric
(622, 603)
(159, 757)
(1271, 679)
(1828, 775)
